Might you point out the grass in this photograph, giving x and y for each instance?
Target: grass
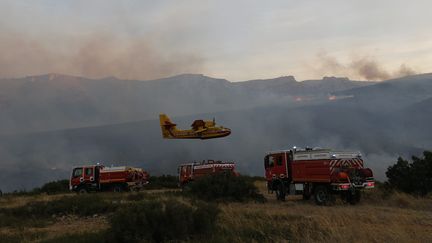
(380, 217)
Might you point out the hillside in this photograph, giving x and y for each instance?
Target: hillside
(54, 101)
(49, 155)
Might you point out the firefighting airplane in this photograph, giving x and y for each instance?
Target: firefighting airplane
(200, 129)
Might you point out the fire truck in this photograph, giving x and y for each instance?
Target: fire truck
(190, 171)
(100, 178)
(321, 173)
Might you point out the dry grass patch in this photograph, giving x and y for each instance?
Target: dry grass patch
(300, 222)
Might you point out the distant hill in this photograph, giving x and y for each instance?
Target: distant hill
(288, 85)
(55, 101)
(392, 94)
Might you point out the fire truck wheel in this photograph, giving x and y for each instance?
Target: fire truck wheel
(306, 192)
(82, 190)
(117, 188)
(354, 198)
(322, 195)
(280, 191)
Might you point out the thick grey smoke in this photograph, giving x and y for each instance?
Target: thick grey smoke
(97, 55)
(369, 69)
(365, 67)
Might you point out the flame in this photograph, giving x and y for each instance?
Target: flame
(332, 97)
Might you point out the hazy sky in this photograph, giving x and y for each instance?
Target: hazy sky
(237, 40)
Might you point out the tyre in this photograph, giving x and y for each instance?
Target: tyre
(354, 197)
(117, 188)
(280, 192)
(322, 195)
(306, 192)
(82, 190)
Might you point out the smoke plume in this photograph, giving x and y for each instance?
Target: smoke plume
(95, 56)
(364, 67)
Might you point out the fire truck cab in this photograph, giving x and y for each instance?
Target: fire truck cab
(317, 172)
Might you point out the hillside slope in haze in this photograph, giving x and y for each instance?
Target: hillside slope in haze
(392, 94)
(54, 101)
(350, 122)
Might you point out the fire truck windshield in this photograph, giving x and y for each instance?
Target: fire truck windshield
(77, 172)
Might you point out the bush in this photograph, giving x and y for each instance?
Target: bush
(412, 177)
(225, 187)
(162, 220)
(83, 205)
(89, 237)
(53, 187)
(163, 181)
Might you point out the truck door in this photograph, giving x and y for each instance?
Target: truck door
(185, 173)
(279, 165)
(89, 174)
(189, 171)
(275, 165)
(77, 176)
(268, 165)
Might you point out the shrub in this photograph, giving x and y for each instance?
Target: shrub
(83, 205)
(412, 177)
(162, 220)
(225, 187)
(163, 181)
(89, 237)
(53, 187)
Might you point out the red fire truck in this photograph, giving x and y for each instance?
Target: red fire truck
(190, 171)
(321, 173)
(100, 178)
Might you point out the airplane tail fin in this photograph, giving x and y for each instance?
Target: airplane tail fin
(167, 126)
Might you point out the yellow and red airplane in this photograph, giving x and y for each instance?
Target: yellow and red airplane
(200, 129)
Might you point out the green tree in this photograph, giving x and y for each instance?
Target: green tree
(412, 177)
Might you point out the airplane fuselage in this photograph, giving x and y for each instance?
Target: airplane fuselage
(192, 134)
